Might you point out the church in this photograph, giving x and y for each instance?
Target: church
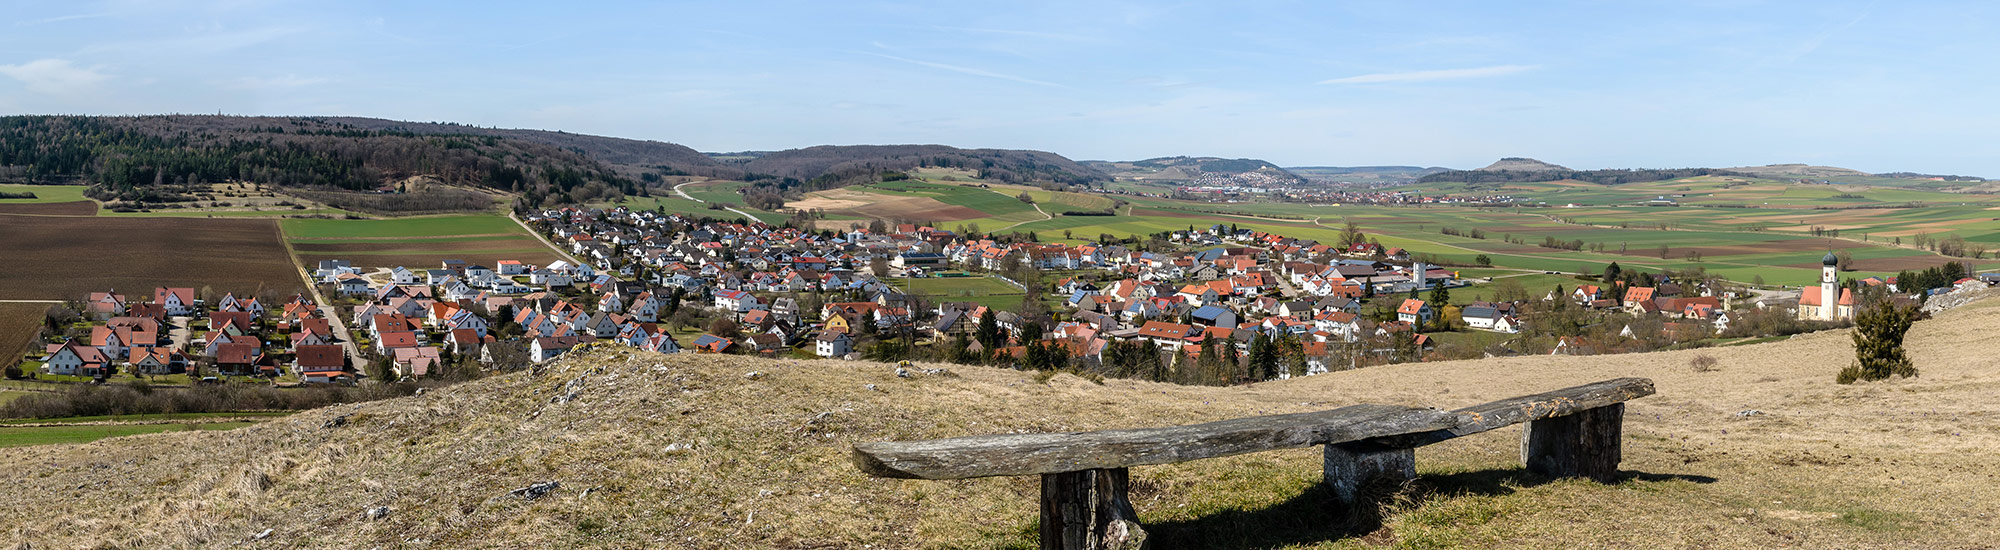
(1820, 304)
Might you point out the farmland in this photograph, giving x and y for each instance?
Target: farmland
(64, 257)
(414, 242)
(1742, 244)
(19, 322)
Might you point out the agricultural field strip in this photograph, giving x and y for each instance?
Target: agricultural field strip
(230, 255)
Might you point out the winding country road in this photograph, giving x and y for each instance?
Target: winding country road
(684, 195)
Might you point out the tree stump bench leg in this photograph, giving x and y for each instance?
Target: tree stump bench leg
(1584, 444)
(1357, 474)
(1089, 510)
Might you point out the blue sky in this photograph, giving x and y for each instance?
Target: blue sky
(1874, 86)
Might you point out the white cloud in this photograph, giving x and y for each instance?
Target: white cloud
(1423, 76)
(54, 76)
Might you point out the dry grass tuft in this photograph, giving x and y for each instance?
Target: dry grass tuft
(685, 451)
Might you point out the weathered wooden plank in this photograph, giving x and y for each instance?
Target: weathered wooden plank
(1089, 510)
(1508, 412)
(1351, 472)
(1585, 444)
(1029, 454)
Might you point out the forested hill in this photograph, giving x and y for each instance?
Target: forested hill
(633, 157)
(139, 158)
(837, 165)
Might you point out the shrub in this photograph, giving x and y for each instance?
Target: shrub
(1703, 363)
(1878, 344)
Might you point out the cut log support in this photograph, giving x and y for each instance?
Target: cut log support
(1583, 444)
(1089, 510)
(1360, 475)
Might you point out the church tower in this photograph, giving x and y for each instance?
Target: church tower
(1828, 301)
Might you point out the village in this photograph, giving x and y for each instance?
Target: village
(1244, 304)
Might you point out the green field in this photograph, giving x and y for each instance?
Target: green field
(52, 435)
(131, 418)
(44, 193)
(415, 242)
(985, 291)
(430, 226)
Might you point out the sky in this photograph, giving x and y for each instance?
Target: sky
(1875, 86)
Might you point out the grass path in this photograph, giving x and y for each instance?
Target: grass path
(1038, 210)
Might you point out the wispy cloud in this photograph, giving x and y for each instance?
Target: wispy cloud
(267, 82)
(1426, 76)
(1015, 32)
(59, 19)
(54, 76)
(969, 70)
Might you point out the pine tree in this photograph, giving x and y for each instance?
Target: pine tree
(1878, 344)
(989, 331)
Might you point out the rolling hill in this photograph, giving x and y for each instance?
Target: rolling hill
(1521, 164)
(1390, 175)
(1206, 170)
(836, 165)
(691, 451)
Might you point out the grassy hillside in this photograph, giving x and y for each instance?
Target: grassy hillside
(846, 164)
(686, 451)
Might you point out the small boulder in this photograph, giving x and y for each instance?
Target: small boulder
(536, 490)
(375, 513)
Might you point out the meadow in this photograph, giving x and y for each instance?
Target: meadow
(22, 436)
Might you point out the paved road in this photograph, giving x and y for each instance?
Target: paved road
(1284, 285)
(545, 240)
(684, 195)
(333, 317)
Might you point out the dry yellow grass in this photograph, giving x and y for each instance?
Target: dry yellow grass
(685, 451)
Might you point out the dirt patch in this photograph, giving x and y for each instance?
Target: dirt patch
(19, 323)
(824, 203)
(56, 258)
(73, 208)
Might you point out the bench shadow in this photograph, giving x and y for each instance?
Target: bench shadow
(1316, 514)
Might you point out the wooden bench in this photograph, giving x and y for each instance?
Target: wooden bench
(1572, 432)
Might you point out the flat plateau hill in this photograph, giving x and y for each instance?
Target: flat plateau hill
(688, 451)
(1521, 164)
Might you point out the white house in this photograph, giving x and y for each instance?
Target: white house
(403, 276)
(834, 343)
(735, 300)
(177, 301)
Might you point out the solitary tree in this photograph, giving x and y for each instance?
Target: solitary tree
(1878, 344)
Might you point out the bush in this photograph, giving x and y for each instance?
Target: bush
(1878, 344)
(91, 400)
(1703, 363)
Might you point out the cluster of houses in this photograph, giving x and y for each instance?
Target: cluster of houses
(1225, 283)
(235, 335)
